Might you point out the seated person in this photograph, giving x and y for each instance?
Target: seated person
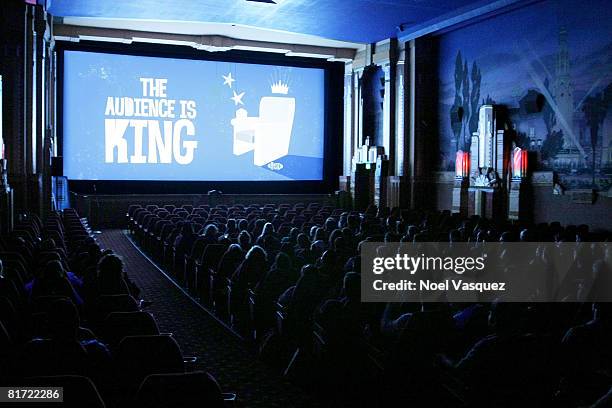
(52, 280)
(586, 358)
(112, 279)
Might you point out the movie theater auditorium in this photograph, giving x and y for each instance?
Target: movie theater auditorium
(186, 188)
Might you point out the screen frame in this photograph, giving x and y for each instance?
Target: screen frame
(333, 122)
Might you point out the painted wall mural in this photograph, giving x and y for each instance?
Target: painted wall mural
(550, 66)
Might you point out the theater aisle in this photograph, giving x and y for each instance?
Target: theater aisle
(198, 334)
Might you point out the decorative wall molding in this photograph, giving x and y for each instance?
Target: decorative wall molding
(208, 42)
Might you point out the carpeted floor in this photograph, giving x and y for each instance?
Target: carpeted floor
(219, 352)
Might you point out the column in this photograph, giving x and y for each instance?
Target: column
(349, 106)
(38, 109)
(357, 127)
(399, 185)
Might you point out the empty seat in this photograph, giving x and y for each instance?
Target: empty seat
(140, 356)
(118, 325)
(108, 304)
(180, 390)
(41, 357)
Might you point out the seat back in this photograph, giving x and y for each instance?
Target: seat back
(118, 325)
(140, 356)
(212, 255)
(180, 390)
(79, 391)
(108, 304)
(42, 357)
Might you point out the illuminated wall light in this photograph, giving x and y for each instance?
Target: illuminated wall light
(462, 164)
(519, 163)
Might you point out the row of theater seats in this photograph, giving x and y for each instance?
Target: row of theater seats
(312, 323)
(58, 329)
(158, 229)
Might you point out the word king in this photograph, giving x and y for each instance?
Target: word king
(151, 129)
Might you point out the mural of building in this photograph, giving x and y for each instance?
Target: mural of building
(564, 97)
(569, 157)
(562, 60)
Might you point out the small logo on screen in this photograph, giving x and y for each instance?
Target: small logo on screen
(275, 166)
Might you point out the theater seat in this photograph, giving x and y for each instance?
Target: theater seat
(6, 350)
(140, 356)
(108, 304)
(10, 320)
(118, 325)
(180, 390)
(209, 260)
(42, 357)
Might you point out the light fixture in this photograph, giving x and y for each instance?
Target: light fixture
(462, 164)
(519, 163)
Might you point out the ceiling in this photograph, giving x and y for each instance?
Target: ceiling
(362, 21)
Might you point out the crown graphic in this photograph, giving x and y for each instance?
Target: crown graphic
(280, 88)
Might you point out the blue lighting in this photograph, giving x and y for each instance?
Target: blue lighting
(349, 20)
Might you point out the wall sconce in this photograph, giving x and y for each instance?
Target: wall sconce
(462, 164)
(519, 163)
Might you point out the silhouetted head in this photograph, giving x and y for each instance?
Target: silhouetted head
(257, 254)
(339, 244)
(54, 270)
(353, 222)
(313, 231)
(258, 227)
(243, 225)
(230, 226)
(233, 251)
(352, 286)
(302, 241)
(454, 235)
(602, 311)
(327, 259)
(527, 236)
(282, 261)
(319, 235)
(506, 237)
(244, 239)
(110, 266)
(308, 270)
(268, 229)
(330, 224)
(93, 250)
(211, 231)
(63, 318)
(332, 237)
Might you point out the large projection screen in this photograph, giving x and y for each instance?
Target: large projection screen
(131, 117)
